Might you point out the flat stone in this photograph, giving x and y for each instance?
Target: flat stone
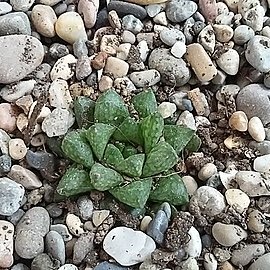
(173, 71)
(254, 104)
(145, 78)
(15, 63)
(200, 62)
(228, 235)
(262, 263)
(6, 244)
(128, 247)
(11, 195)
(15, 23)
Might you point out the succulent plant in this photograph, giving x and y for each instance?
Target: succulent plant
(130, 156)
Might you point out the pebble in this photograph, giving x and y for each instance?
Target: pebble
(24, 177)
(262, 147)
(190, 183)
(110, 43)
(30, 230)
(161, 19)
(186, 119)
(42, 262)
(6, 244)
(256, 221)
(226, 266)
(21, 5)
(178, 49)
(132, 24)
(154, 9)
(74, 224)
(62, 230)
(145, 223)
(252, 183)
(117, 67)
(208, 170)
(207, 38)
(173, 71)
(99, 216)
(123, 8)
(15, 218)
(229, 62)
(145, 78)
(5, 8)
(146, 2)
(70, 27)
(239, 121)
(199, 101)
(242, 34)
(158, 226)
(83, 246)
(143, 49)
(171, 36)
(123, 51)
(54, 210)
(180, 10)
(55, 246)
(109, 266)
(166, 109)
(19, 266)
(17, 149)
(14, 65)
(243, 256)
(262, 263)
(44, 19)
(88, 10)
(254, 105)
(200, 62)
(256, 129)
(5, 164)
(57, 122)
(128, 247)
(40, 160)
(210, 262)
(257, 53)
(68, 267)
(262, 164)
(86, 207)
(194, 246)
(224, 33)
(237, 199)
(190, 264)
(127, 36)
(210, 201)
(227, 234)
(14, 24)
(105, 83)
(8, 119)
(10, 197)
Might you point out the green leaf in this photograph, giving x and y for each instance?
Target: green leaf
(170, 189)
(98, 135)
(128, 151)
(151, 129)
(103, 178)
(161, 158)
(145, 103)
(84, 111)
(110, 109)
(113, 156)
(194, 144)
(177, 136)
(128, 131)
(75, 181)
(76, 147)
(134, 194)
(132, 166)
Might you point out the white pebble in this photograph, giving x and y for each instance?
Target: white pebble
(145, 222)
(262, 164)
(207, 171)
(17, 149)
(238, 199)
(74, 224)
(194, 247)
(99, 216)
(256, 129)
(166, 109)
(210, 262)
(229, 62)
(190, 183)
(239, 121)
(178, 49)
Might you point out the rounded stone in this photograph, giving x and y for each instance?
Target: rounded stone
(15, 64)
(210, 201)
(242, 34)
(262, 164)
(145, 78)
(171, 36)
(5, 8)
(8, 116)
(17, 149)
(42, 262)
(256, 129)
(229, 62)
(256, 221)
(70, 27)
(227, 234)
(207, 171)
(237, 199)
(117, 67)
(44, 19)
(194, 247)
(132, 24)
(239, 121)
(190, 184)
(88, 10)
(262, 263)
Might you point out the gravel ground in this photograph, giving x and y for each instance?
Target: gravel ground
(208, 64)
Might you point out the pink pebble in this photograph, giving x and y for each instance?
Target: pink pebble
(8, 116)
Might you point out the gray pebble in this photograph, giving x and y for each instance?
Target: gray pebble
(4, 142)
(58, 50)
(258, 53)
(254, 104)
(60, 8)
(102, 19)
(86, 207)
(54, 210)
(132, 24)
(5, 8)
(167, 209)
(21, 5)
(42, 262)
(40, 160)
(262, 147)
(123, 8)
(242, 34)
(198, 27)
(171, 36)
(145, 78)
(187, 105)
(19, 266)
(206, 241)
(55, 246)
(83, 68)
(180, 10)
(62, 230)
(5, 164)
(15, 218)
(15, 23)
(11, 195)
(158, 226)
(173, 71)
(79, 48)
(266, 80)
(109, 266)
(263, 263)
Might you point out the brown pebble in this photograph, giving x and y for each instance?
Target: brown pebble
(239, 121)
(99, 61)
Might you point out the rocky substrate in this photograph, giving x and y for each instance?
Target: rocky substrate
(208, 63)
